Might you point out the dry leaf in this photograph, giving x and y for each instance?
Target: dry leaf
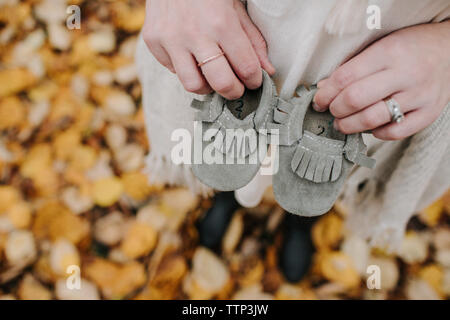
(139, 240)
(294, 292)
(431, 215)
(389, 272)
(252, 293)
(233, 234)
(338, 267)
(13, 81)
(20, 248)
(20, 215)
(54, 221)
(12, 113)
(209, 275)
(63, 254)
(116, 281)
(87, 291)
(31, 289)
(110, 229)
(414, 248)
(418, 289)
(327, 232)
(107, 191)
(433, 275)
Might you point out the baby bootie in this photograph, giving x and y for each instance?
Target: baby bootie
(314, 158)
(231, 150)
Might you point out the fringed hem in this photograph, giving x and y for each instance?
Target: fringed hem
(394, 192)
(161, 171)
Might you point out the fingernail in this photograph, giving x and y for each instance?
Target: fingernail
(316, 107)
(335, 125)
(271, 68)
(321, 83)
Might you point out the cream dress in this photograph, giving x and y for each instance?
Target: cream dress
(307, 41)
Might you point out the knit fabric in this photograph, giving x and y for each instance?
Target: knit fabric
(409, 175)
(307, 41)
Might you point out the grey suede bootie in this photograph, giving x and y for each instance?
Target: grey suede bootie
(314, 158)
(231, 149)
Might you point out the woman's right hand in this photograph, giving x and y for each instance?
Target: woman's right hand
(181, 33)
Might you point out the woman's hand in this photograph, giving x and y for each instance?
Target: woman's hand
(411, 65)
(181, 33)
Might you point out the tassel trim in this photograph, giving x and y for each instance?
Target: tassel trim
(237, 143)
(233, 137)
(288, 116)
(318, 159)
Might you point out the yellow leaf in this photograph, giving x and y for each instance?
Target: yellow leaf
(20, 215)
(431, 215)
(114, 280)
(139, 241)
(31, 289)
(36, 161)
(15, 80)
(9, 196)
(45, 91)
(65, 143)
(54, 221)
(62, 255)
(107, 191)
(12, 113)
(327, 232)
(83, 157)
(64, 105)
(47, 182)
(338, 267)
(136, 185)
(128, 18)
(434, 275)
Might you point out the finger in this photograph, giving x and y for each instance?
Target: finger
(364, 64)
(374, 116)
(366, 92)
(414, 122)
(321, 83)
(161, 55)
(218, 72)
(152, 39)
(188, 72)
(256, 39)
(242, 57)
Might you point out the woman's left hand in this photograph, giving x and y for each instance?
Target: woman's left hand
(412, 66)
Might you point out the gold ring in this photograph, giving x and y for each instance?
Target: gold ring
(210, 59)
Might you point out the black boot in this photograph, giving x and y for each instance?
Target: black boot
(213, 225)
(297, 249)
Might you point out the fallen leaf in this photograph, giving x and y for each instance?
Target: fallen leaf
(140, 240)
